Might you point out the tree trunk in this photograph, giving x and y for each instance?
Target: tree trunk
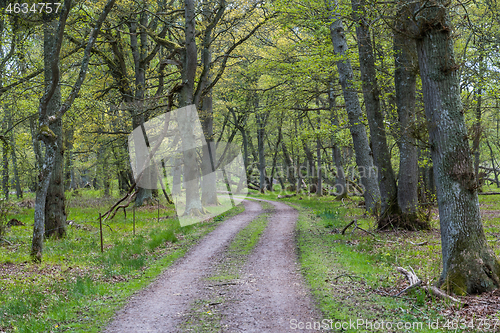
(36, 145)
(137, 105)
(260, 119)
(371, 94)
(5, 165)
(191, 173)
(469, 265)
(493, 164)
(290, 172)
(340, 188)
(319, 189)
(44, 132)
(477, 136)
(405, 76)
(19, 191)
(358, 131)
(55, 209)
(40, 200)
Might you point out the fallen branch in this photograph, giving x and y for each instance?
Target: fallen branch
(438, 292)
(418, 244)
(347, 226)
(368, 232)
(411, 277)
(416, 282)
(355, 222)
(488, 193)
(6, 241)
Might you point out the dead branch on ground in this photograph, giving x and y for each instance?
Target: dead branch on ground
(416, 282)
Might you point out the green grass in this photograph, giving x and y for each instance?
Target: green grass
(77, 288)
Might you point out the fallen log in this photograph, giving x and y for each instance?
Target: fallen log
(489, 193)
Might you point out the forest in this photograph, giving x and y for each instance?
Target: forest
(367, 132)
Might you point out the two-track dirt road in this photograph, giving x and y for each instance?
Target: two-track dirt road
(270, 292)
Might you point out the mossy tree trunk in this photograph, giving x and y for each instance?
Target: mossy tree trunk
(469, 265)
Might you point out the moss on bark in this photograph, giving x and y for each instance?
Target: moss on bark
(471, 273)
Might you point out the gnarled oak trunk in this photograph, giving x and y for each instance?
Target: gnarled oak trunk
(469, 265)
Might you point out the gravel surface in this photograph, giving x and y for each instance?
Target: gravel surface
(159, 307)
(268, 295)
(272, 292)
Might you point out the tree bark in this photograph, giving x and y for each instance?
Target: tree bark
(55, 209)
(493, 164)
(477, 135)
(364, 159)
(17, 181)
(191, 173)
(371, 94)
(261, 127)
(340, 188)
(469, 265)
(5, 165)
(405, 76)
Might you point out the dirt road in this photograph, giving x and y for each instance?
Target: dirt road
(269, 294)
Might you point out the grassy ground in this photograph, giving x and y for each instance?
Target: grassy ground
(353, 277)
(77, 288)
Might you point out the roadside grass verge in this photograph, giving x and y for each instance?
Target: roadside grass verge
(353, 276)
(77, 288)
(204, 315)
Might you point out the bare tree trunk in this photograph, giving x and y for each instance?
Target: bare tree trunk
(469, 264)
(477, 136)
(209, 181)
(340, 185)
(275, 157)
(493, 164)
(191, 172)
(36, 145)
(261, 124)
(290, 172)
(358, 131)
(319, 190)
(55, 209)
(5, 166)
(19, 191)
(405, 76)
(137, 104)
(371, 94)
